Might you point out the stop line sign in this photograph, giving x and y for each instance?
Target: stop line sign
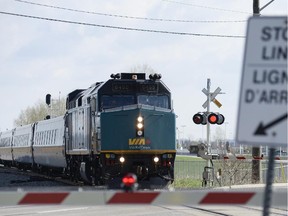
(262, 113)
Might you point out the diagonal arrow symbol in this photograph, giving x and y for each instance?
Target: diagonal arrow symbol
(261, 129)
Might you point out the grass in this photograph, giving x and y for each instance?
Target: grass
(188, 158)
(187, 183)
(187, 171)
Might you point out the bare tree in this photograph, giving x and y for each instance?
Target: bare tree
(219, 134)
(39, 112)
(144, 68)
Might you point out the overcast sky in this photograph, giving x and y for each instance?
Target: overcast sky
(38, 56)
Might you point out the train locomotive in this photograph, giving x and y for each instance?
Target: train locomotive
(124, 125)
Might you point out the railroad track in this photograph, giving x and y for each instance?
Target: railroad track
(13, 177)
(219, 210)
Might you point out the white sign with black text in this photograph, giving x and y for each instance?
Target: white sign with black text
(262, 113)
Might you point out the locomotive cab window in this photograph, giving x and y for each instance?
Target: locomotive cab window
(112, 101)
(154, 100)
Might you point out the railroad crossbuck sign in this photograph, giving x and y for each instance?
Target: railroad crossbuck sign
(262, 113)
(212, 97)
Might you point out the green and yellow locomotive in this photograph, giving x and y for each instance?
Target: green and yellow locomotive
(132, 130)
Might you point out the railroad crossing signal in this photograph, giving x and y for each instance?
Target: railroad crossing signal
(209, 117)
(212, 118)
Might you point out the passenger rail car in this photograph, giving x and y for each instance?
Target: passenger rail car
(22, 145)
(124, 125)
(49, 144)
(6, 156)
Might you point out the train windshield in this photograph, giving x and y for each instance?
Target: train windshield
(154, 100)
(112, 101)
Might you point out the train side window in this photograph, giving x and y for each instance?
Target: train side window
(50, 137)
(46, 137)
(79, 101)
(15, 140)
(36, 138)
(42, 138)
(55, 136)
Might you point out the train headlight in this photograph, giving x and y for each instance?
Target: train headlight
(156, 159)
(139, 133)
(140, 119)
(122, 159)
(140, 126)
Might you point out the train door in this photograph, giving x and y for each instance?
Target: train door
(78, 131)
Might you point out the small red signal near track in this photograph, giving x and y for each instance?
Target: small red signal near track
(129, 182)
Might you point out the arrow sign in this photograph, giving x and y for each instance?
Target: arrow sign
(261, 129)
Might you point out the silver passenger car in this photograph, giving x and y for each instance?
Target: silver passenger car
(49, 143)
(22, 145)
(6, 147)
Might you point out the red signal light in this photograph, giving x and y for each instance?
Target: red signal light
(212, 118)
(129, 182)
(216, 118)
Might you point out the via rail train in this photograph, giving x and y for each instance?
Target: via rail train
(124, 125)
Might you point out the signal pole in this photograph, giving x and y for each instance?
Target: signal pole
(256, 9)
(208, 129)
(256, 165)
(208, 125)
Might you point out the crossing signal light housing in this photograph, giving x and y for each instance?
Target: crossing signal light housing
(212, 118)
(216, 118)
(48, 99)
(200, 118)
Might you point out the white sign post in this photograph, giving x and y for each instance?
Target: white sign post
(262, 114)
